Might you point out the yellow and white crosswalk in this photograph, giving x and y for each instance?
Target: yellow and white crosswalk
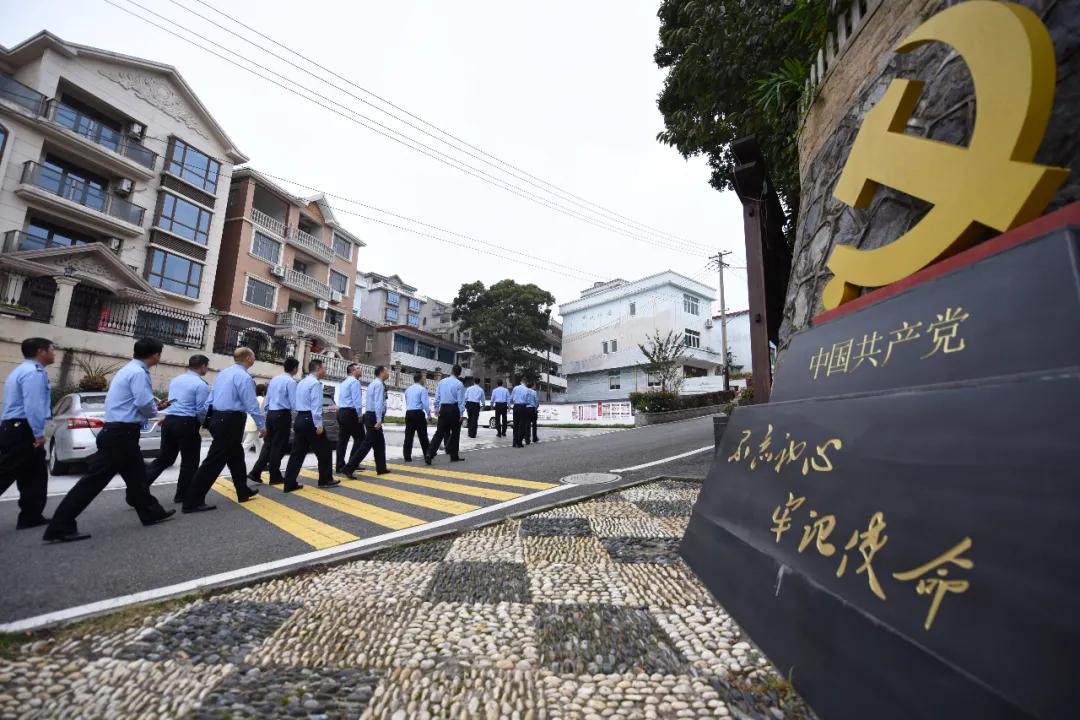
(406, 498)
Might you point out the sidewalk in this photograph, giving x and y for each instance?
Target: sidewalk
(583, 611)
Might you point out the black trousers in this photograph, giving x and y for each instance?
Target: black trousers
(227, 448)
(534, 422)
(25, 465)
(350, 426)
(118, 452)
(306, 440)
(448, 430)
(373, 441)
(472, 409)
(415, 423)
(500, 419)
(521, 421)
(278, 425)
(179, 436)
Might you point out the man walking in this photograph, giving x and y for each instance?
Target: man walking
(350, 415)
(449, 406)
(519, 398)
(474, 400)
(27, 406)
(417, 412)
(534, 414)
(129, 403)
(189, 397)
(310, 436)
(373, 433)
(500, 397)
(232, 399)
(280, 402)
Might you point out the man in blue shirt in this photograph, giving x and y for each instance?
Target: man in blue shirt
(449, 407)
(519, 398)
(500, 397)
(188, 399)
(417, 413)
(27, 406)
(534, 414)
(474, 400)
(373, 433)
(280, 402)
(129, 403)
(309, 434)
(349, 415)
(232, 399)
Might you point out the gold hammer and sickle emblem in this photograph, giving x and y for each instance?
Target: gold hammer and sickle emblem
(991, 183)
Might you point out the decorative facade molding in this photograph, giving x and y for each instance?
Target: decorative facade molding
(158, 93)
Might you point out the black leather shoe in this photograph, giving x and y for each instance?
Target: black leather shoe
(277, 482)
(65, 537)
(177, 499)
(293, 488)
(427, 459)
(332, 483)
(160, 518)
(255, 479)
(198, 508)
(384, 471)
(252, 492)
(406, 459)
(27, 524)
(459, 459)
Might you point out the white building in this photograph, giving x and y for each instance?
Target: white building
(738, 337)
(604, 327)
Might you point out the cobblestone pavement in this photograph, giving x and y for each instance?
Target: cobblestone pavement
(584, 611)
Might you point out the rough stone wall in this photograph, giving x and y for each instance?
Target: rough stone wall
(946, 112)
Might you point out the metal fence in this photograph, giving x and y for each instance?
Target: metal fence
(118, 317)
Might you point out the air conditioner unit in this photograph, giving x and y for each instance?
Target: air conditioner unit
(321, 304)
(336, 296)
(278, 271)
(136, 129)
(115, 244)
(125, 186)
(708, 323)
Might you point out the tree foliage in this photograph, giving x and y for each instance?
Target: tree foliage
(737, 68)
(504, 320)
(665, 355)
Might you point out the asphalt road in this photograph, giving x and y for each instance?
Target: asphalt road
(495, 480)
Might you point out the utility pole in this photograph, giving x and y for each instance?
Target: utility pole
(720, 265)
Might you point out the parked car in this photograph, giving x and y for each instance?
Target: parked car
(71, 435)
(487, 417)
(329, 417)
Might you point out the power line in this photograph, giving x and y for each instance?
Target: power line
(514, 171)
(386, 131)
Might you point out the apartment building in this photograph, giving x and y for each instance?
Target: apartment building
(603, 328)
(286, 274)
(113, 183)
(388, 300)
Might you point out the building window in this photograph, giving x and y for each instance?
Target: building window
(299, 266)
(426, 351)
(690, 304)
(692, 338)
(342, 248)
(654, 380)
(614, 346)
(184, 218)
(264, 247)
(369, 344)
(414, 305)
(446, 356)
(336, 319)
(391, 314)
(259, 293)
(413, 320)
(40, 235)
(174, 274)
(392, 298)
(194, 166)
(339, 282)
(404, 344)
(605, 346)
(614, 379)
(3, 140)
(633, 308)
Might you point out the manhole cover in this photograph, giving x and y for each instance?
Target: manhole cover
(590, 478)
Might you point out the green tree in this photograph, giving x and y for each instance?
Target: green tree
(665, 355)
(504, 320)
(737, 68)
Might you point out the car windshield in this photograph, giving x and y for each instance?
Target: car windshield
(94, 403)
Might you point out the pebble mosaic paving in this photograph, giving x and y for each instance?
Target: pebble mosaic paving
(575, 613)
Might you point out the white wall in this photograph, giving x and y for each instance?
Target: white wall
(738, 338)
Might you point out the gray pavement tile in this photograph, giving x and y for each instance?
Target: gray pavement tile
(433, 550)
(339, 693)
(661, 550)
(547, 526)
(480, 582)
(666, 508)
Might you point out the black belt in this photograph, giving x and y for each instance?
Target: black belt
(14, 421)
(304, 412)
(230, 413)
(124, 425)
(282, 410)
(448, 405)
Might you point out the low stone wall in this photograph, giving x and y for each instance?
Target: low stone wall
(109, 349)
(675, 415)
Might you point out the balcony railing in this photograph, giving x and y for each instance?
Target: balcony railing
(23, 96)
(94, 131)
(167, 324)
(267, 223)
(297, 322)
(335, 367)
(305, 283)
(81, 192)
(309, 244)
(16, 241)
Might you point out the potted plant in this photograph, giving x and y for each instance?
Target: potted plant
(15, 310)
(94, 372)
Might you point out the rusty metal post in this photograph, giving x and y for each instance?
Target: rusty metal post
(761, 360)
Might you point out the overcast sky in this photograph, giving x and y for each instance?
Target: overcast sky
(565, 90)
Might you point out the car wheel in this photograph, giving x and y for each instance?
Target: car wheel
(56, 467)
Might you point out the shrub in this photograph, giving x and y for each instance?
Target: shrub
(651, 402)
